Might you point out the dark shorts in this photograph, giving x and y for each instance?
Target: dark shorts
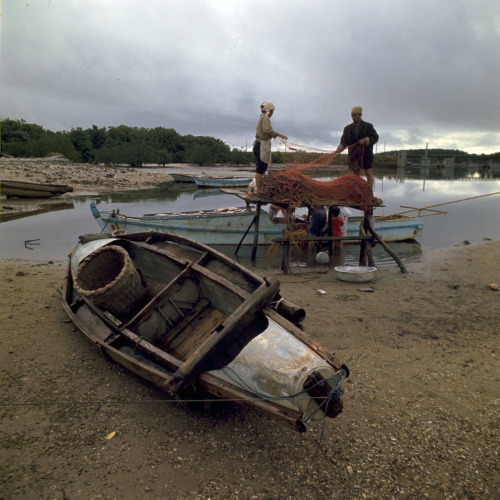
(261, 167)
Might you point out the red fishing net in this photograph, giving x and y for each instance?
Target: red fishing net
(299, 190)
(296, 189)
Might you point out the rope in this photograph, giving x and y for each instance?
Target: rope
(315, 454)
(335, 393)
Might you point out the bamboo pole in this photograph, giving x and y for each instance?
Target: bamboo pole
(385, 245)
(440, 204)
(256, 232)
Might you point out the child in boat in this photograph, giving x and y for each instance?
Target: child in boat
(273, 211)
(337, 224)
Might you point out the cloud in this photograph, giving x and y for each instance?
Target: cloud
(423, 71)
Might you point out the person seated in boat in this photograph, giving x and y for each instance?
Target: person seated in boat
(262, 145)
(316, 219)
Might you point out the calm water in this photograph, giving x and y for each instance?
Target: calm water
(473, 220)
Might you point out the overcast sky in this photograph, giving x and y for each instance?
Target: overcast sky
(424, 71)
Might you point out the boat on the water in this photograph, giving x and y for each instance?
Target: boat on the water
(183, 178)
(221, 182)
(19, 189)
(185, 317)
(227, 226)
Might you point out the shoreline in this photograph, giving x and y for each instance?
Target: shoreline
(420, 412)
(420, 407)
(93, 180)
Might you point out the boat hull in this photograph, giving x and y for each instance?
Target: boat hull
(264, 371)
(228, 226)
(18, 189)
(213, 182)
(183, 178)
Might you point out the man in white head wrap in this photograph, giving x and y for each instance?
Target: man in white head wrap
(262, 145)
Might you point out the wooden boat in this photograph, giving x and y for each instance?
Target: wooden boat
(20, 189)
(221, 182)
(184, 178)
(227, 226)
(183, 316)
(44, 207)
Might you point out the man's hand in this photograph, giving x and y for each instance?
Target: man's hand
(365, 141)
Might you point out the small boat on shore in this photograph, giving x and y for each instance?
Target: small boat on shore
(183, 178)
(185, 317)
(221, 182)
(227, 226)
(19, 189)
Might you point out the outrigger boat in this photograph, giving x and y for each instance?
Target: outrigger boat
(183, 178)
(221, 182)
(181, 315)
(227, 226)
(18, 189)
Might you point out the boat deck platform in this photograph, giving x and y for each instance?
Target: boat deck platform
(367, 234)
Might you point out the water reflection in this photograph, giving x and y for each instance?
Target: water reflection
(470, 220)
(53, 206)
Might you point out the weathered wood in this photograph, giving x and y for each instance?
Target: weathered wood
(285, 266)
(283, 239)
(237, 331)
(256, 232)
(164, 294)
(235, 327)
(329, 230)
(386, 247)
(196, 332)
(171, 334)
(290, 311)
(366, 248)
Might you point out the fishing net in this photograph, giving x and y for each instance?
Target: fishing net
(299, 190)
(293, 187)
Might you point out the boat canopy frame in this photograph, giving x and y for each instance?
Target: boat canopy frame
(367, 234)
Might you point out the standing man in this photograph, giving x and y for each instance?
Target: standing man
(262, 145)
(359, 137)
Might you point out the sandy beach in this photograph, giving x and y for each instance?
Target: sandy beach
(420, 407)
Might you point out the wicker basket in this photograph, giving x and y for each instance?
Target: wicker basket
(109, 278)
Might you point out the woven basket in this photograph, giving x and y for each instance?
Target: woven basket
(109, 278)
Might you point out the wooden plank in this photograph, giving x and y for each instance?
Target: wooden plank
(166, 292)
(196, 332)
(256, 233)
(224, 279)
(237, 331)
(178, 327)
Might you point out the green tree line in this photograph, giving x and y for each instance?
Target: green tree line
(117, 145)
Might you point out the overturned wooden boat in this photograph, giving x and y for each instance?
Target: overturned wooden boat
(222, 182)
(18, 189)
(230, 226)
(181, 315)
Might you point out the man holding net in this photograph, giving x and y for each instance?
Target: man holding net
(359, 137)
(262, 146)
